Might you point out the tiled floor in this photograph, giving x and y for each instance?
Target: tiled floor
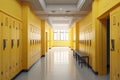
(59, 64)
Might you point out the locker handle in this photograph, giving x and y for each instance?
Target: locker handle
(4, 44)
(16, 64)
(10, 67)
(12, 43)
(118, 75)
(1, 24)
(18, 43)
(112, 44)
(1, 73)
(33, 41)
(90, 42)
(118, 24)
(30, 42)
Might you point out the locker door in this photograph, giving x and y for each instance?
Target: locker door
(17, 47)
(0, 47)
(10, 54)
(12, 48)
(1, 25)
(118, 55)
(20, 42)
(5, 47)
(114, 45)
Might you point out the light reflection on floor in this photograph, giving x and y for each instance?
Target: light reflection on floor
(59, 64)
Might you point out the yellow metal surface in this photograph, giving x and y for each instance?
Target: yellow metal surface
(115, 36)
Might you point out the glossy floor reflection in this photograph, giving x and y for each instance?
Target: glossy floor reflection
(59, 64)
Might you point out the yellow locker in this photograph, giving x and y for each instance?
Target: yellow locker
(12, 51)
(9, 54)
(10, 47)
(0, 47)
(118, 53)
(5, 47)
(17, 47)
(20, 44)
(114, 45)
(30, 41)
(119, 48)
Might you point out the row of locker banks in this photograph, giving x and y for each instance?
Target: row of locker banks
(11, 57)
(85, 41)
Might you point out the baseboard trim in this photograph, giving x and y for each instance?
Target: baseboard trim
(24, 70)
(16, 75)
(96, 73)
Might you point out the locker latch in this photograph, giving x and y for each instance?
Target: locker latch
(1, 24)
(18, 43)
(10, 67)
(118, 24)
(33, 41)
(112, 44)
(1, 73)
(30, 42)
(16, 64)
(118, 75)
(12, 43)
(90, 42)
(4, 44)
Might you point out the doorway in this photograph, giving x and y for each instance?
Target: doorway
(105, 45)
(108, 44)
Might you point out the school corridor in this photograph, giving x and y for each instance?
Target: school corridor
(59, 39)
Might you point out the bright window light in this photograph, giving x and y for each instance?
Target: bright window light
(61, 35)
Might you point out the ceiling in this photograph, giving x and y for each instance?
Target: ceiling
(60, 14)
(61, 2)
